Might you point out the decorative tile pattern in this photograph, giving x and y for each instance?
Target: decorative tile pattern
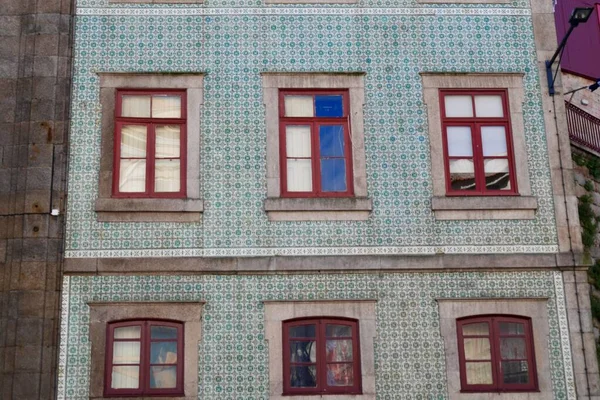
(233, 352)
(563, 324)
(233, 49)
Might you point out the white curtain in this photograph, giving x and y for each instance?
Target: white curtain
(164, 106)
(298, 106)
(132, 176)
(299, 169)
(167, 175)
(489, 106)
(125, 377)
(458, 106)
(135, 106)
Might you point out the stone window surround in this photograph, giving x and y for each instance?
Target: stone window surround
(189, 209)
(155, 1)
(362, 310)
(446, 207)
(535, 308)
(189, 313)
(315, 209)
(464, 1)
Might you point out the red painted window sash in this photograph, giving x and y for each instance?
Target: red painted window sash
(475, 123)
(150, 124)
(314, 123)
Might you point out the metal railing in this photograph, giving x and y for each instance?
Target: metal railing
(584, 129)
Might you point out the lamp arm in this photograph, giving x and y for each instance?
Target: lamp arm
(549, 63)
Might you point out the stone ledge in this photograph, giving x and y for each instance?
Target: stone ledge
(319, 204)
(484, 203)
(149, 210)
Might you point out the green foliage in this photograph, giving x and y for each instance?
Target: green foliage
(592, 163)
(595, 307)
(589, 186)
(588, 221)
(594, 275)
(579, 159)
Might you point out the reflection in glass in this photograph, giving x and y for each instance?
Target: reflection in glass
(298, 106)
(488, 106)
(479, 373)
(163, 377)
(303, 376)
(458, 106)
(303, 351)
(125, 377)
(137, 106)
(493, 139)
(302, 331)
(477, 349)
(338, 350)
(340, 375)
(462, 174)
(496, 174)
(480, 328)
(515, 372)
(163, 332)
(459, 141)
(329, 105)
(331, 140)
(338, 330)
(512, 348)
(163, 353)
(333, 175)
(512, 328)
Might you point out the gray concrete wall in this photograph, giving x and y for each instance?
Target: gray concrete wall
(35, 60)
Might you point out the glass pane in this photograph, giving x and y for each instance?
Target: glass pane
(512, 348)
(165, 106)
(299, 106)
(459, 141)
(338, 350)
(163, 332)
(329, 106)
(128, 332)
(163, 353)
(163, 377)
(167, 175)
(135, 106)
(167, 141)
(458, 106)
(332, 330)
(126, 352)
(132, 176)
(299, 176)
(477, 349)
(480, 328)
(302, 331)
(331, 140)
(512, 328)
(297, 141)
(125, 377)
(462, 175)
(303, 376)
(494, 141)
(340, 375)
(488, 106)
(333, 175)
(133, 141)
(303, 351)
(496, 174)
(515, 372)
(479, 373)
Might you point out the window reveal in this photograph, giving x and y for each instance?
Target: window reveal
(315, 144)
(477, 143)
(150, 144)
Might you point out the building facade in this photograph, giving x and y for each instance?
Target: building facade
(348, 200)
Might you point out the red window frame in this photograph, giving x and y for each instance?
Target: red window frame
(475, 123)
(314, 123)
(150, 124)
(321, 363)
(144, 365)
(494, 337)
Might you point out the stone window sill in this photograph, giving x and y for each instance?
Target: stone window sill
(311, 1)
(155, 1)
(149, 210)
(464, 1)
(484, 207)
(318, 209)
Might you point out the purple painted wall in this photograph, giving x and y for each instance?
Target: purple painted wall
(582, 54)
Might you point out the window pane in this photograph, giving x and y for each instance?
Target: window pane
(340, 375)
(512, 348)
(303, 376)
(163, 353)
(135, 106)
(128, 332)
(493, 139)
(338, 350)
(302, 331)
(126, 352)
(458, 106)
(165, 106)
(133, 141)
(459, 141)
(479, 373)
(488, 106)
(167, 141)
(333, 175)
(303, 351)
(462, 175)
(338, 330)
(298, 106)
(163, 377)
(480, 328)
(496, 174)
(163, 332)
(297, 141)
(299, 176)
(331, 140)
(167, 175)
(125, 377)
(515, 372)
(329, 106)
(477, 349)
(132, 176)
(512, 328)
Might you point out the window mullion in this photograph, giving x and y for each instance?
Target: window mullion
(321, 365)
(496, 359)
(150, 159)
(316, 156)
(478, 157)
